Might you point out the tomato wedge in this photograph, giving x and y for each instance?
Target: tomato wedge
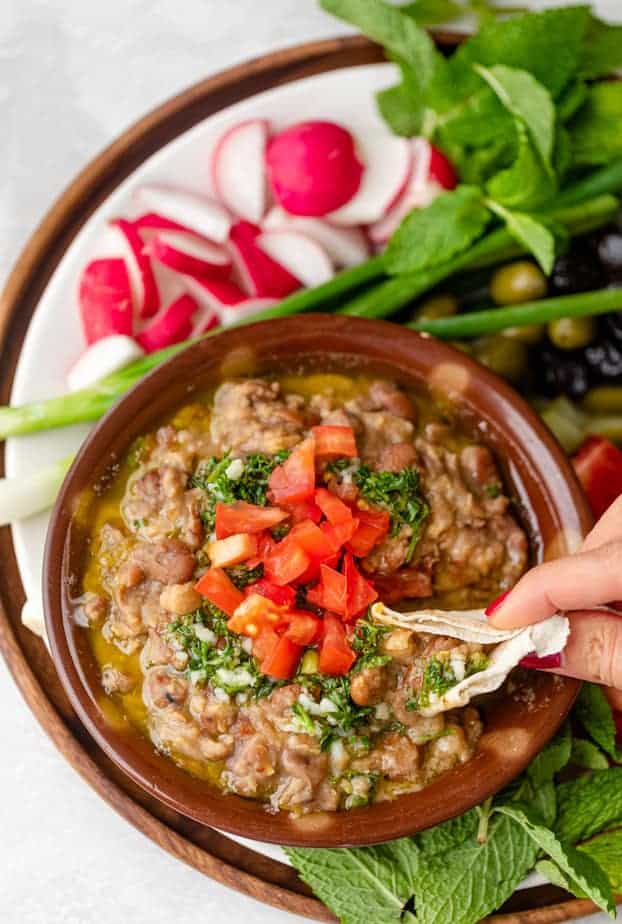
(282, 660)
(241, 517)
(332, 591)
(283, 596)
(294, 480)
(305, 510)
(304, 628)
(254, 614)
(231, 551)
(266, 641)
(340, 533)
(336, 655)
(334, 441)
(360, 592)
(598, 464)
(220, 590)
(373, 525)
(335, 511)
(285, 562)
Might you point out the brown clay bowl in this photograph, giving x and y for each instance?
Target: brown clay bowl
(541, 480)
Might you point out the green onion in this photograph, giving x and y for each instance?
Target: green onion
(491, 320)
(25, 495)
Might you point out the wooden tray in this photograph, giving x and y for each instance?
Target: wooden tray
(207, 850)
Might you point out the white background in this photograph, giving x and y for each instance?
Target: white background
(73, 75)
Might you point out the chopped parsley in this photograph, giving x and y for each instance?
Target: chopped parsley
(213, 477)
(242, 576)
(493, 490)
(397, 493)
(367, 641)
(439, 677)
(345, 717)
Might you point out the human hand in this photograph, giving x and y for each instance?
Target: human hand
(577, 584)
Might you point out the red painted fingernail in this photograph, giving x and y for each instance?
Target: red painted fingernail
(492, 607)
(540, 664)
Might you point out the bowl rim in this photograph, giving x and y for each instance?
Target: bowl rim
(162, 779)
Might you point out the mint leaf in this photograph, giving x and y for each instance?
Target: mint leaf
(587, 755)
(400, 105)
(527, 183)
(359, 885)
(433, 12)
(547, 764)
(602, 51)
(531, 233)
(606, 850)
(438, 232)
(527, 100)
(550, 45)
(589, 804)
(595, 714)
(571, 100)
(595, 133)
(467, 882)
(449, 834)
(583, 874)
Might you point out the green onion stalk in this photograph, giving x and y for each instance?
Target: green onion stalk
(587, 204)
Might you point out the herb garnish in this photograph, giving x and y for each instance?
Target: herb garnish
(242, 576)
(398, 493)
(367, 640)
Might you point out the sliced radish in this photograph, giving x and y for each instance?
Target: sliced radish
(261, 275)
(101, 359)
(313, 167)
(229, 302)
(173, 325)
(105, 299)
(441, 169)
(238, 169)
(422, 187)
(344, 246)
(152, 221)
(185, 253)
(388, 162)
(197, 213)
(299, 254)
(139, 266)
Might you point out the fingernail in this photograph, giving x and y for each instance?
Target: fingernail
(494, 606)
(540, 664)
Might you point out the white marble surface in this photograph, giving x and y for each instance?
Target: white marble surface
(73, 74)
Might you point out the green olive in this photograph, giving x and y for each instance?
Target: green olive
(571, 333)
(438, 306)
(508, 358)
(463, 345)
(528, 333)
(518, 282)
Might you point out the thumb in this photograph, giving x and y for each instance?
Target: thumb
(576, 582)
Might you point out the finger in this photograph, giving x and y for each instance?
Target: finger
(608, 528)
(575, 582)
(594, 649)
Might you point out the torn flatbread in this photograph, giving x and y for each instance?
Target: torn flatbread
(510, 646)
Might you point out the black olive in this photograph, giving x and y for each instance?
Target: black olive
(604, 358)
(611, 326)
(561, 372)
(576, 271)
(609, 251)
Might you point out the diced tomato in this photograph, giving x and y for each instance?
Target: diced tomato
(283, 596)
(266, 641)
(294, 480)
(285, 562)
(220, 590)
(598, 464)
(373, 526)
(336, 655)
(332, 591)
(265, 544)
(335, 511)
(231, 551)
(254, 614)
(334, 441)
(241, 517)
(339, 534)
(282, 660)
(360, 592)
(304, 628)
(304, 510)
(312, 539)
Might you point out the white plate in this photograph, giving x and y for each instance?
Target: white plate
(54, 339)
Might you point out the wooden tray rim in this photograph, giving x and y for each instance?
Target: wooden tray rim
(45, 248)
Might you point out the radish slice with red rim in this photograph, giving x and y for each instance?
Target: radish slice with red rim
(173, 325)
(152, 221)
(197, 213)
(238, 169)
(344, 246)
(313, 167)
(299, 254)
(186, 253)
(388, 164)
(139, 266)
(105, 299)
(230, 303)
(261, 276)
(102, 358)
